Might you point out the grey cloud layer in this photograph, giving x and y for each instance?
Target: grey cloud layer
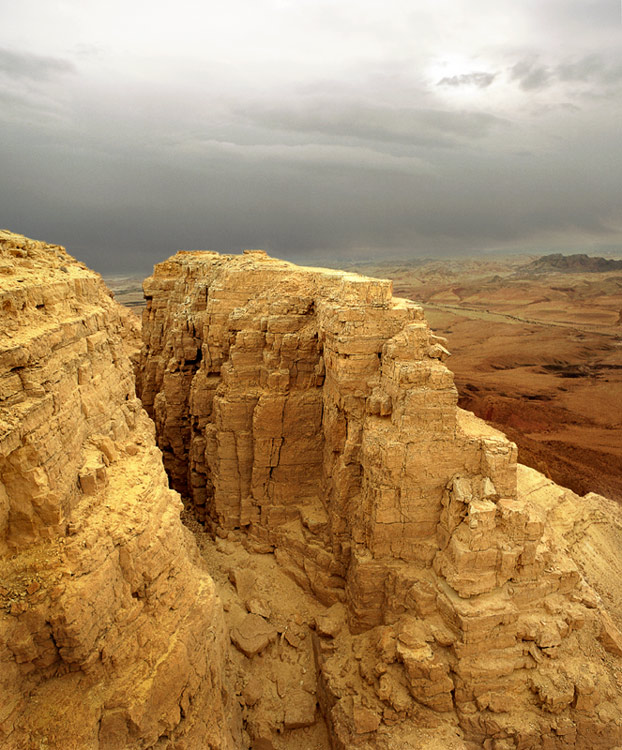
(481, 80)
(125, 158)
(351, 119)
(603, 76)
(31, 85)
(26, 65)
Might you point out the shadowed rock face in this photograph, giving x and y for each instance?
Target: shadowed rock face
(312, 410)
(111, 634)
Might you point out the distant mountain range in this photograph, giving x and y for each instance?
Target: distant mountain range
(572, 264)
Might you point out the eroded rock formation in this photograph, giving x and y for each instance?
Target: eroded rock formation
(309, 413)
(391, 577)
(111, 633)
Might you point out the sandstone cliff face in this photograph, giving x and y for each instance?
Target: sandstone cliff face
(111, 634)
(310, 412)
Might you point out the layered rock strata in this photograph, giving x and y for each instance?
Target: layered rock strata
(111, 635)
(311, 411)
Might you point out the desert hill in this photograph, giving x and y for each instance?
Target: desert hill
(370, 567)
(577, 263)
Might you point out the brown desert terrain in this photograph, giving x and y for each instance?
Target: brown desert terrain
(537, 351)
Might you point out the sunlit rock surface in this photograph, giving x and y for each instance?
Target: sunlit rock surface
(111, 634)
(308, 413)
(391, 577)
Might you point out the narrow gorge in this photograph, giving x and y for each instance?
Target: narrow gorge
(371, 567)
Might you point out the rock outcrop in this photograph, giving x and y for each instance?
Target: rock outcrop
(309, 413)
(111, 632)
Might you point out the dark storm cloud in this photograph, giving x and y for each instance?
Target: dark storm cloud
(530, 75)
(295, 204)
(481, 80)
(26, 65)
(311, 131)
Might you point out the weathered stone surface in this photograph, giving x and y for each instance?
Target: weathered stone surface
(299, 710)
(312, 411)
(329, 623)
(111, 634)
(311, 408)
(610, 635)
(253, 635)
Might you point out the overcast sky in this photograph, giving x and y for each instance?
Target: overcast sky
(311, 128)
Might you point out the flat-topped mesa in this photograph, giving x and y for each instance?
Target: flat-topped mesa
(109, 628)
(314, 409)
(311, 410)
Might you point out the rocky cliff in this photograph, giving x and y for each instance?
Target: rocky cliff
(308, 413)
(111, 634)
(390, 576)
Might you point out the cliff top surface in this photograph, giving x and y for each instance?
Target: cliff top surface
(22, 259)
(253, 257)
(193, 263)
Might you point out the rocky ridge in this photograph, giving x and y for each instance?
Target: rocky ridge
(308, 413)
(112, 633)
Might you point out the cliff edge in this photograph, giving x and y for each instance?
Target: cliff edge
(111, 632)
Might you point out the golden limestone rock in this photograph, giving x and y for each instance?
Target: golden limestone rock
(390, 576)
(111, 634)
(471, 603)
